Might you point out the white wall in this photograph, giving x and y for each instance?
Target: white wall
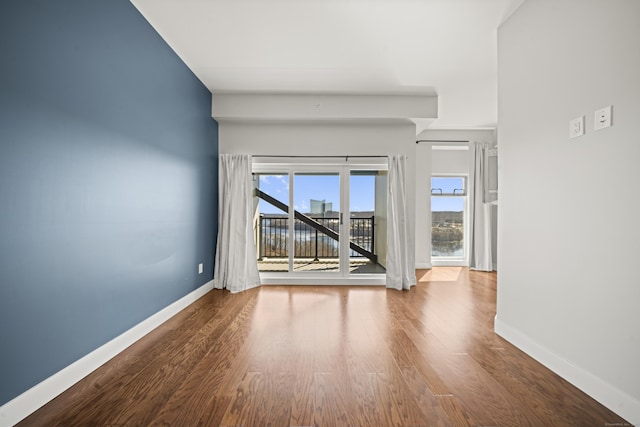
(447, 162)
(487, 135)
(325, 139)
(568, 292)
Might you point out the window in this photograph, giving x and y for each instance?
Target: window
(448, 201)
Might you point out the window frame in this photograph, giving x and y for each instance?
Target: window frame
(452, 260)
(293, 165)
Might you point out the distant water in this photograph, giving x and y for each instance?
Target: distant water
(448, 249)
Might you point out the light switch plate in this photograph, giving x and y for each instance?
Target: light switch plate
(576, 127)
(200, 268)
(602, 118)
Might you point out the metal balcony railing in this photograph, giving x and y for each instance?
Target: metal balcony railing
(310, 242)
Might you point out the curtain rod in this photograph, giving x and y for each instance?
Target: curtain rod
(443, 141)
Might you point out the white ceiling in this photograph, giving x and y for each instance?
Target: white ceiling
(344, 46)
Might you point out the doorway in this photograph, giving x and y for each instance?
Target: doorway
(320, 222)
(449, 220)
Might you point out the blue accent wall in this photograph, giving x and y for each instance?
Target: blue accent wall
(108, 181)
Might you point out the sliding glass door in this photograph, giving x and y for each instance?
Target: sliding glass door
(271, 220)
(367, 221)
(448, 220)
(319, 221)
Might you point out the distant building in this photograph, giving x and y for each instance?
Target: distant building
(320, 207)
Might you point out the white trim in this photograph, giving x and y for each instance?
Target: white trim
(266, 164)
(616, 400)
(37, 396)
(449, 262)
(424, 265)
(462, 146)
(307, 280)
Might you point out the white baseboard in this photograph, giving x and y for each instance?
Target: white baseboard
(37, 396)
(616, 400)
(424, 266)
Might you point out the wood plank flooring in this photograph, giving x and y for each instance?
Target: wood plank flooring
(329, 356)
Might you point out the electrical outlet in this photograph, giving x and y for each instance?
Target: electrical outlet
(602, 118)
(576, 127)
(200, 268)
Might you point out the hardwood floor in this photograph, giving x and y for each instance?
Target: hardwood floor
(329, 356)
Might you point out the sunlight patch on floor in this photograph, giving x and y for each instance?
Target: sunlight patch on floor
(441, 274)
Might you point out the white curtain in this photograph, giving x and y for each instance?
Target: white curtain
(400, 249)
(480, 253)
(236, 267)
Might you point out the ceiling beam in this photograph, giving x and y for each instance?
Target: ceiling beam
(301, 106)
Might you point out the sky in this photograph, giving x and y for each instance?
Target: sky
(317, 187)
(362, 192)
(447, 185)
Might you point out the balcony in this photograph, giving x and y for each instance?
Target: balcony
(315, 250)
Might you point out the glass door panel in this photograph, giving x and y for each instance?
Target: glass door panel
(316, 203)
(447, 217)
(368, 211)
(447, 227)
(271, 221)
